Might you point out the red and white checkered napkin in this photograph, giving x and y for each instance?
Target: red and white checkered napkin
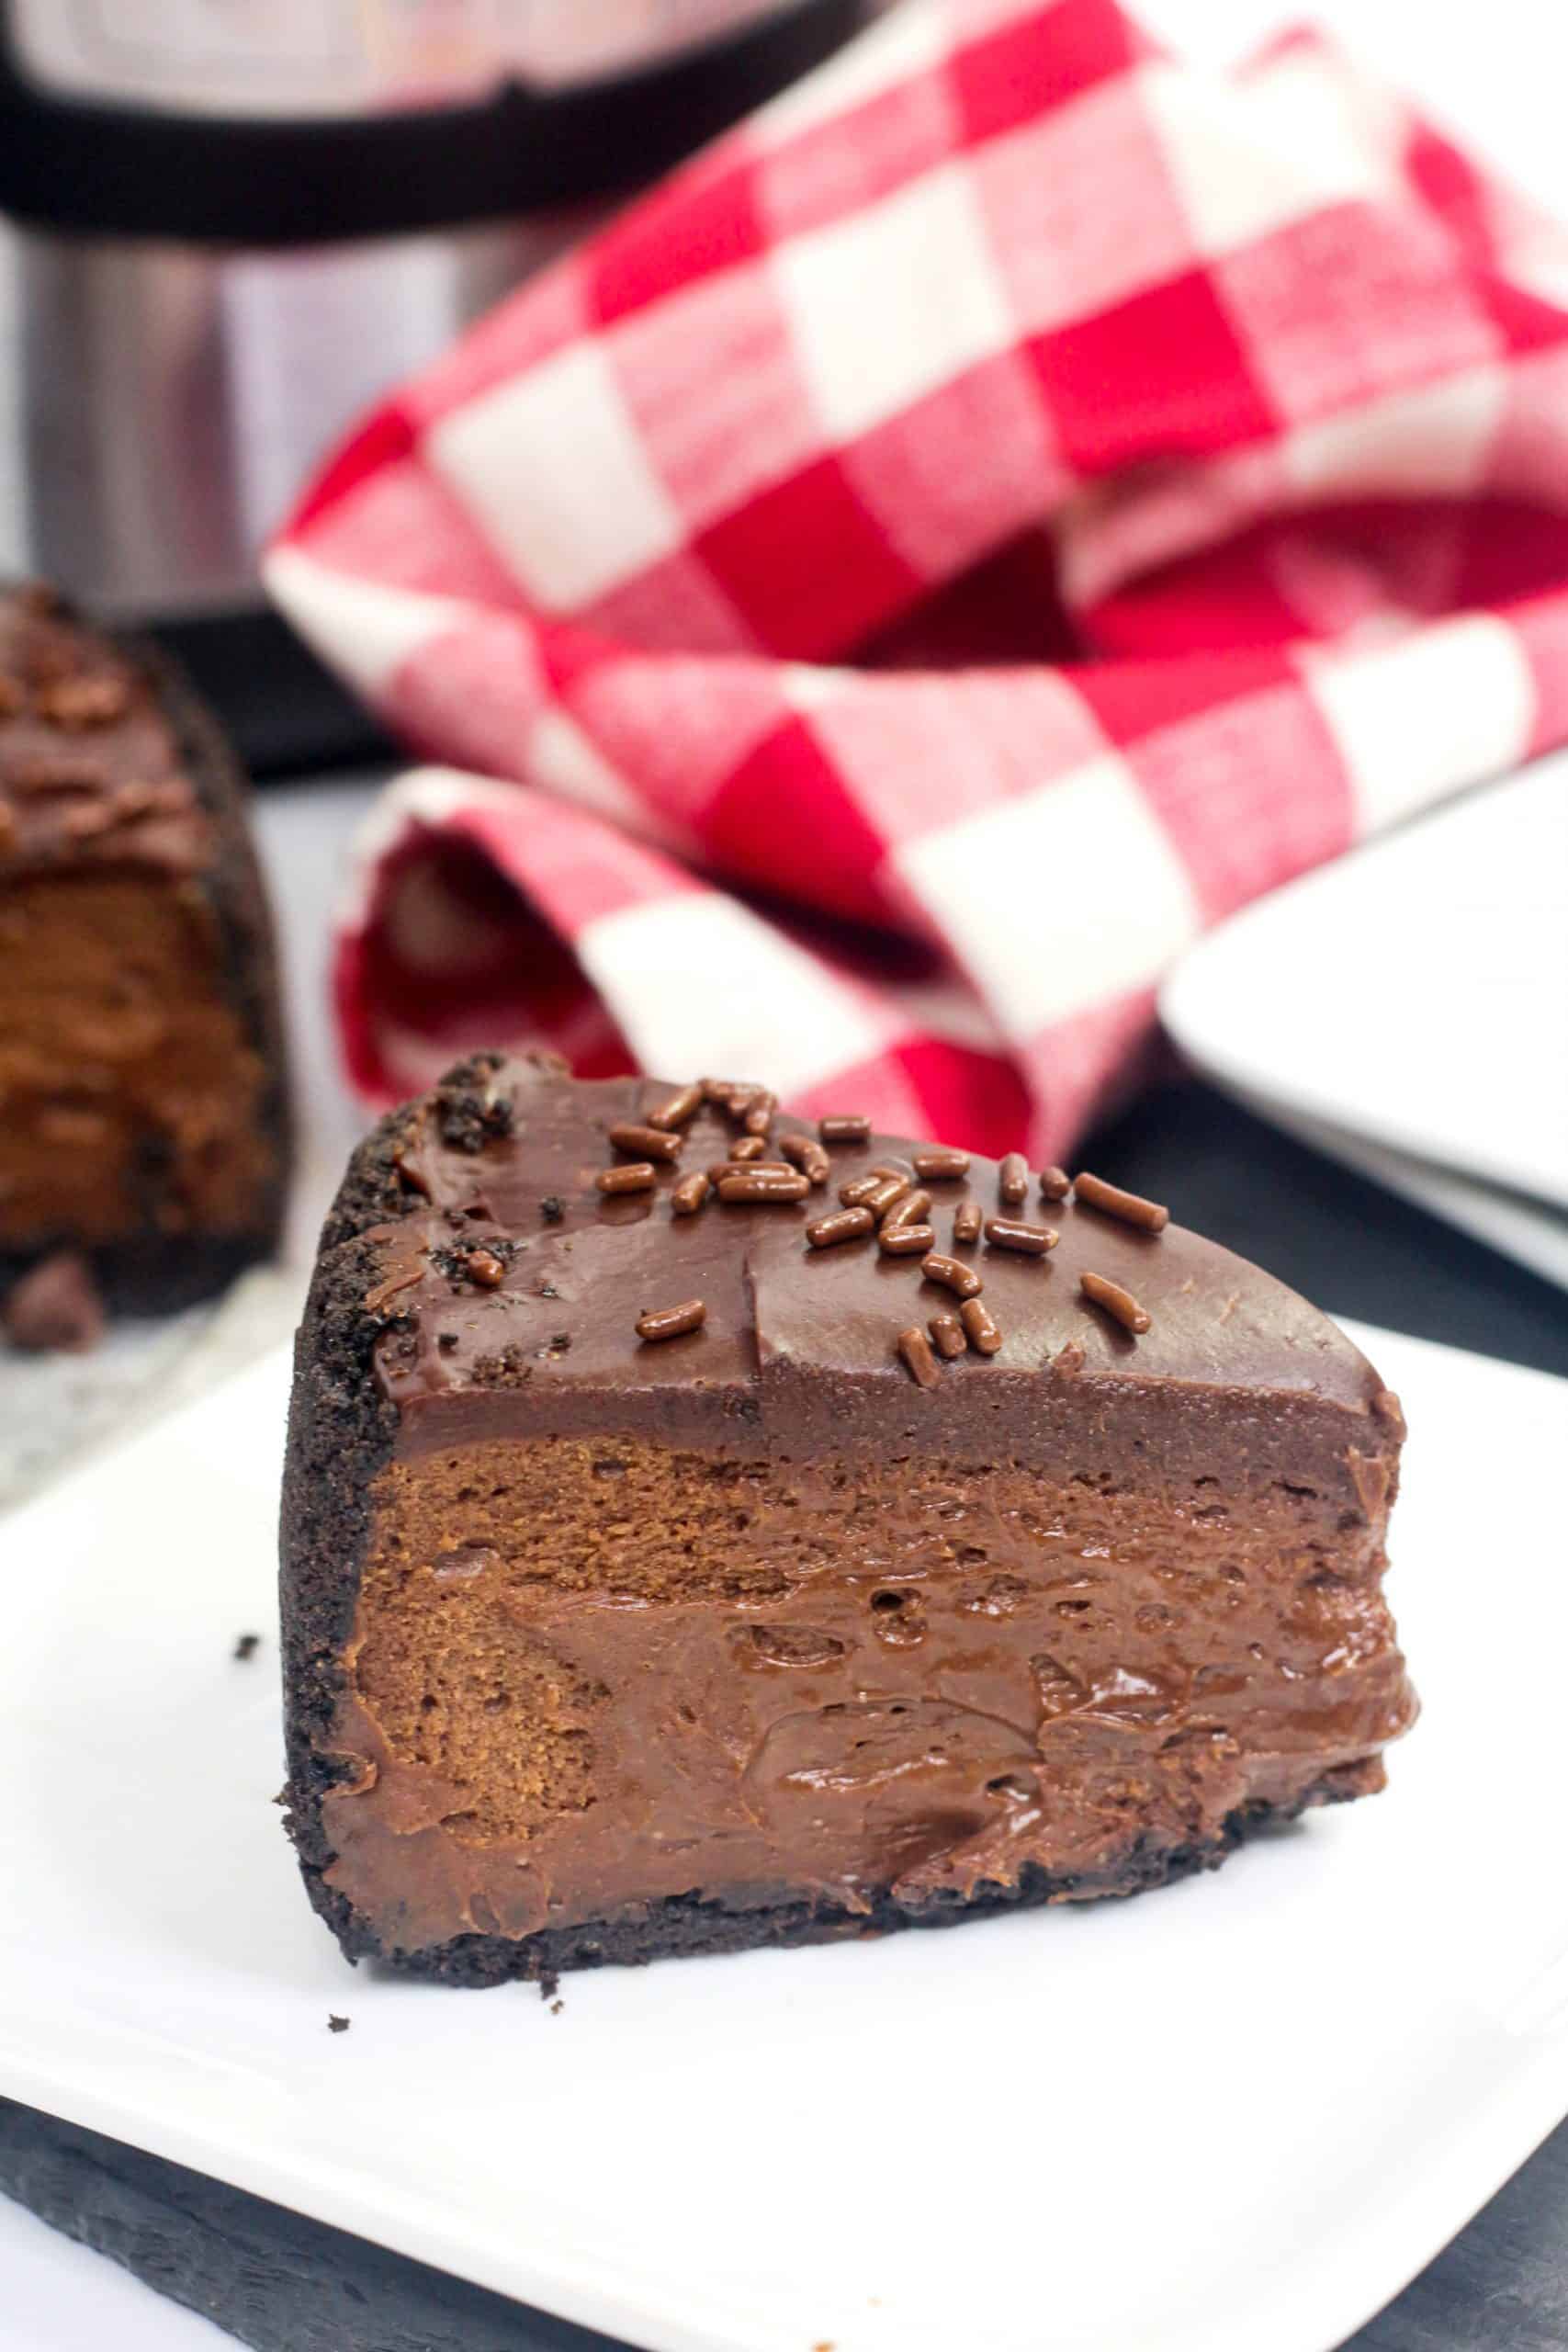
(1010, 504)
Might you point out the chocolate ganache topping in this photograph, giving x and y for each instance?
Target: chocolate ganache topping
(91, 772)
(795, 1341)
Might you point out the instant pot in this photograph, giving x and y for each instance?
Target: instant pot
(238, 221)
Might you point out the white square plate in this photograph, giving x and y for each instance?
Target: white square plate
(1237, 2113)
(1414, 994)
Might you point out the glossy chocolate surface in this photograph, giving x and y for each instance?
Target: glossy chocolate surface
(91, 773)
(799, 1343)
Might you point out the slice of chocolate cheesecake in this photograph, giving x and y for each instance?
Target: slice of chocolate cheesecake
(143, 1140)
(701, 1530)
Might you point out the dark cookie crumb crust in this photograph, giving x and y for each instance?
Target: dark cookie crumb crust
(691, 1927)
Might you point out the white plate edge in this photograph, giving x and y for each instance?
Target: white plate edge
(1188, 986)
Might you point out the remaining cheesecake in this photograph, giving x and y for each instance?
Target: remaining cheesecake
(142, 1119)
(702, 1532)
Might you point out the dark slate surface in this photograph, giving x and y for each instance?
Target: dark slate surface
(1349, 1246)
(281, 2283)
(284, 2284)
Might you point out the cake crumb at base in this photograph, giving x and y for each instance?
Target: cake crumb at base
(54, 1308)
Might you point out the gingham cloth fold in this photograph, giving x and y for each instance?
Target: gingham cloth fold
(1010, 504)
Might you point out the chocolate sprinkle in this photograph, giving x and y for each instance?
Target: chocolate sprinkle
(482, 1266)
(55, 772)
(952, 1273)
(763, 1185)
(246, 1646)
(1115, 1301)
(966, 1222)
(808, 1155)
(691, 1193)
(947, 1335)
(84, 701)
(751, 1166)
(636, 1176)
(911, 1209)
(748, 1148)
(905, 1240)
(916, 1351)
(1112, 1201)
(889, 1190)
(844, 1225)
(85, 824)
(860, 1189)
(671, 1322)
(980, 1327)
(678, 1109)
(844, 1126)
(1054, 1183)
(1011, 1233)
(1012, 1179)
(645, 1143)
(938, 1165)
(336, 2024)
(400, 1278)
(1068, 1358)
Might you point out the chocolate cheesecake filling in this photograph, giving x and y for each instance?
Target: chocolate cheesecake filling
(588, 1674)
(131, 1090)
(632, 1628)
